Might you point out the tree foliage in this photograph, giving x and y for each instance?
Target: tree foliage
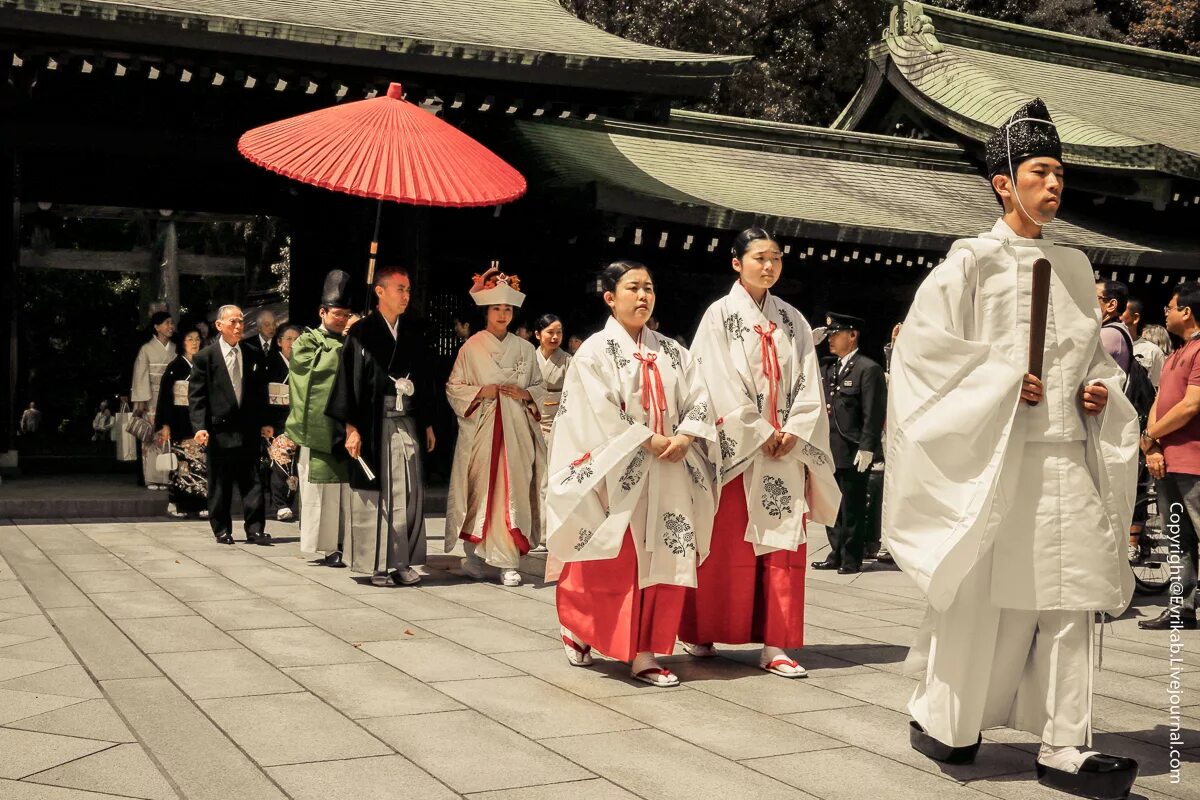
(1172, 25)
(809, 54)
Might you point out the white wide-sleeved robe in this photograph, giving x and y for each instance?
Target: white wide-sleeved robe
(602, 482)
(483, 360)
(1011, 518)
(762, 373)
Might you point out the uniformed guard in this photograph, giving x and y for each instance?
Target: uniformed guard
(856, 399)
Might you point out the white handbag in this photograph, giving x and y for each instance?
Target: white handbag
(166, 462)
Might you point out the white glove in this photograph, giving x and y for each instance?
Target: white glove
(862, 461)
(818, 335)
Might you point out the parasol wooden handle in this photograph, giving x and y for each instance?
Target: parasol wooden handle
(1037, 316)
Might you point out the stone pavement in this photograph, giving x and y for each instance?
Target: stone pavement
(140, 659)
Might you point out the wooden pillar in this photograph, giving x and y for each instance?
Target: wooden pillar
(10, 208)
(169, 279)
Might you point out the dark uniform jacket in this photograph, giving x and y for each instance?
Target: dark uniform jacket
(213, 406)
(856, 399)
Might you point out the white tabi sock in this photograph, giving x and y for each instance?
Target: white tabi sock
(769, 654)
(1068, 759)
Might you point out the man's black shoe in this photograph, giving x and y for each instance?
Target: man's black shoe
(1100, 777)
(849, 570)
(825, 565)
(225, 538)
(1166, 621)
(930, 747)
(333, 559)
(262, 538)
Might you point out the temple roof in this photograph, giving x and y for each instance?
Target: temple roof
(726, 173)
(480, 36)
(1117, 107)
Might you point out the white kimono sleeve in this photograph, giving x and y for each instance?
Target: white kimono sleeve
(951, 407)
(139, 392)
(593, 436)
(459, 390)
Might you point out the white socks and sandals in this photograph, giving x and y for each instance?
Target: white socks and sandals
(645, 666)
(774, 660)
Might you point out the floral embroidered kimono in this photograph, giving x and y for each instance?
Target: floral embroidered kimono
(763, 376)
(554, 372)
(629, 529)
(499, 461)
(152, 361)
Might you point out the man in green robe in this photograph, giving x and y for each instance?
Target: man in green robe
(322, 466)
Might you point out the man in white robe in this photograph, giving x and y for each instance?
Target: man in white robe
(1007, 497)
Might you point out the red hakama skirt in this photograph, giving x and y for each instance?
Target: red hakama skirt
(498, 514)
(743, 598)
(601, 604)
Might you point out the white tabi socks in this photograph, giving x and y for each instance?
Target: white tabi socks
(1068, 759)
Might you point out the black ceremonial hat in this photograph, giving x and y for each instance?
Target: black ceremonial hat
(842, 322)
(1018, 139)
(336, 293)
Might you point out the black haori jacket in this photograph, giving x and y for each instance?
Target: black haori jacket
(371, 360)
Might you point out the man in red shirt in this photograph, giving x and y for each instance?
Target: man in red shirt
(1171, 442)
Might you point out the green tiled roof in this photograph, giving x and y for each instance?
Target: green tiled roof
(531, 33)
(1117, 107)
(725, 174)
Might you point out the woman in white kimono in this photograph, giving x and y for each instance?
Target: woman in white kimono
(631, 494)
(757, 356)
(495, 503)
(553, 362)
(148, 368)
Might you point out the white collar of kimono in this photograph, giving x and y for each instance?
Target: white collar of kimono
(393, 326)
(614, 328)
(739, 291)
(1002, 231)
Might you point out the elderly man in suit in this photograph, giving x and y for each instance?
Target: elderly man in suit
(856, 398)
(227, 399)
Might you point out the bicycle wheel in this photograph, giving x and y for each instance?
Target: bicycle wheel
(1151, 572)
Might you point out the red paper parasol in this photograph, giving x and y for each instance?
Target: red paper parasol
(387, 149)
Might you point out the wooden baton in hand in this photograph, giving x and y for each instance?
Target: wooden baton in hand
(1037, 317)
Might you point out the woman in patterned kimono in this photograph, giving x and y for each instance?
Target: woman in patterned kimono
(148, 368)
(758, 359)
(188, 489)
(495, 503)
(553, 362)
(631, 494)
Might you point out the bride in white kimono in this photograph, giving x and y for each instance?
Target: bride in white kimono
(495, 503)
(630, 501)
(757, 356)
